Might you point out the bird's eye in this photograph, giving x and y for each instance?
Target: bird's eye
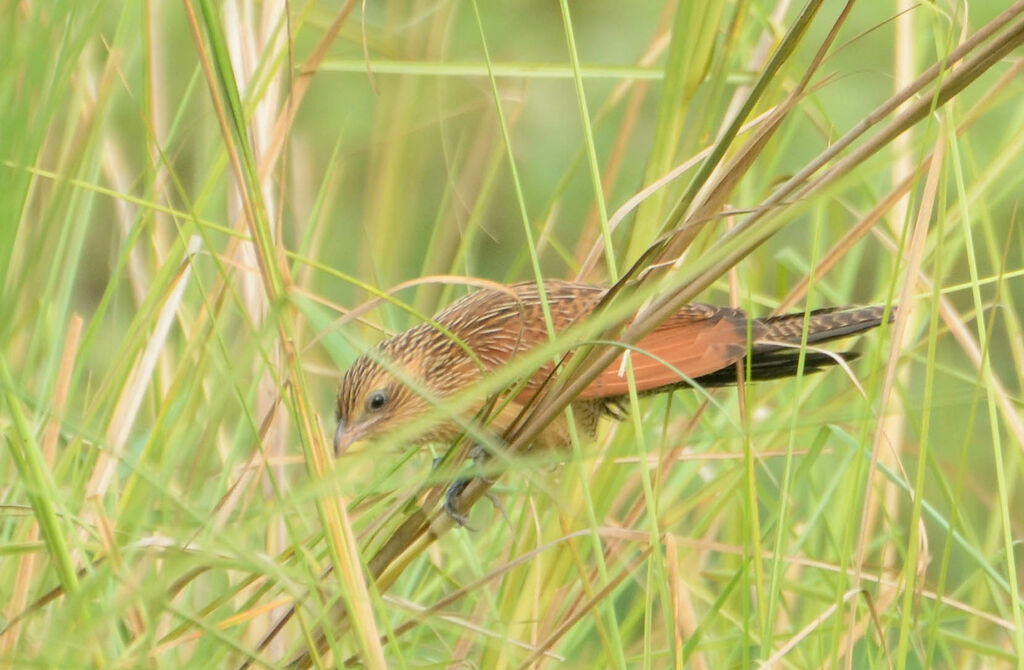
(376, 400)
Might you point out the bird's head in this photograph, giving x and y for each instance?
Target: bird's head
(389, 386)
(371, 400)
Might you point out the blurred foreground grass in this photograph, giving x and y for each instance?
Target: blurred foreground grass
(174, 261)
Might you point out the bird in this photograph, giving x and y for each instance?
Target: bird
(490, 327)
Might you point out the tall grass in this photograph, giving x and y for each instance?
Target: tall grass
(207, 210)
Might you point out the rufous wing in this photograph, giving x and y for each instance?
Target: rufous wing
(698, 340)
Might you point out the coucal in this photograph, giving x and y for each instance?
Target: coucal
(702, 342)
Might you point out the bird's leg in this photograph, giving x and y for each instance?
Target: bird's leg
(479, 455)
(451, 502)
(451, 506)
(451, 498)
(476, 454)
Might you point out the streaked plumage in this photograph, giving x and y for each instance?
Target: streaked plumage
(701, 341)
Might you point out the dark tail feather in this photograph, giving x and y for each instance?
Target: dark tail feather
(776, 354)
(775, 366)
(823, 325)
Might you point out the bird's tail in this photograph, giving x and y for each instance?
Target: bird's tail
(823, 325)
(775, 352)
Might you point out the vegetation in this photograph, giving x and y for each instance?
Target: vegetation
(207, 210)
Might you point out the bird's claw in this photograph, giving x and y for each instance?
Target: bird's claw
(496, 501)
(451, 498)
(451, 503)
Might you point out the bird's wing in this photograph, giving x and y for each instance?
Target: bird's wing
(696, 341)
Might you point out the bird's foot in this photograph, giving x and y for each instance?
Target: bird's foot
(451, 499)
(451, 503)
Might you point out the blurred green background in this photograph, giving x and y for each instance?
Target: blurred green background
(161, 391)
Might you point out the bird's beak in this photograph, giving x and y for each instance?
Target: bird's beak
(344, 436)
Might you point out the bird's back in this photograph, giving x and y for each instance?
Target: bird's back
(698, 343)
